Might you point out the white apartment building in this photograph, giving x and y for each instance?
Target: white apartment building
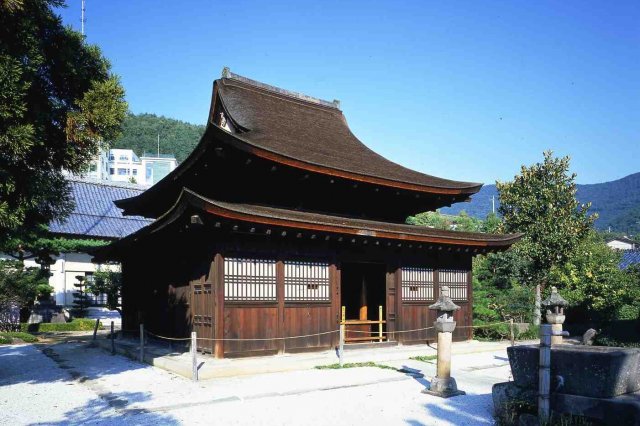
(125, 166)
(99, 167)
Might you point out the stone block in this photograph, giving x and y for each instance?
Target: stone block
(509, 400)
(591, 371)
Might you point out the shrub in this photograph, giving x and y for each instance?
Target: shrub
(9, 337)
(78, 324)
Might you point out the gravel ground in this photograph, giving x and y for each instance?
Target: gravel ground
(70, 383)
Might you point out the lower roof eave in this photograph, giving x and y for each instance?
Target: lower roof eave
(310, 222)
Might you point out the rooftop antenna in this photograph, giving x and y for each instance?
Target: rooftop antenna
(83, 19)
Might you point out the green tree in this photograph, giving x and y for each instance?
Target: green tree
(592, 281)
(109, 282)
(19, 287)
(541, 203)
(81, 296)
(39, 245)
(461, 222)
(59, 102)
(140, 133)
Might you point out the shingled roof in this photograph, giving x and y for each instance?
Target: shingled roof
(297, 131)
(314, 132)
(95, 215)
(629, 258)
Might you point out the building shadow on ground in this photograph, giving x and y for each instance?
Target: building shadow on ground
(59, 362)
(111, 409)
(467, 409)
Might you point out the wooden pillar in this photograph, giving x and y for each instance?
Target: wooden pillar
(280, 329)
(334, 282)
(397, 278)
(436, 293)
(391, 305)
(469, 302)
(363, 300)
(218, 320)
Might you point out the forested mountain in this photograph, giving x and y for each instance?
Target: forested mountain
(617, 203)
(140, 133)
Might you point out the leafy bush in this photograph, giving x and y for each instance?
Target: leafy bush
(78, 324)
(9, 337)
(608, 341)
(19, 287)
(628, 312)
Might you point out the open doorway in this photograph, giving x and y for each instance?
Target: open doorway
(363, 291)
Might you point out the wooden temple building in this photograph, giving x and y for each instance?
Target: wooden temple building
(280, 220)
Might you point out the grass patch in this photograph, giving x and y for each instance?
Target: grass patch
(424, 358)
(6, 338)
(336, 366)
(78, 324)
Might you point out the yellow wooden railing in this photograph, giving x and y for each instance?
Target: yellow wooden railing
(372, 337)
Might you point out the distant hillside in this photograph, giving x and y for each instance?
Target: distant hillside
(617, 203)
(140, 133)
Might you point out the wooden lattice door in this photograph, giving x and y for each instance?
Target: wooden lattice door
(202, 305)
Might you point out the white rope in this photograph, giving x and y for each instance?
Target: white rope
(168, 338)
(272, 338)
(374, 334)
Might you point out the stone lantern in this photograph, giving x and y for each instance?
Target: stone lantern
(443, 385)
(555, 305)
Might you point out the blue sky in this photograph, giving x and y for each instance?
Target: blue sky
(464, 90)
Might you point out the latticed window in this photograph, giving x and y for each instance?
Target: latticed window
(306, 282)
(456, 280)
(417, 284)
(249, 280)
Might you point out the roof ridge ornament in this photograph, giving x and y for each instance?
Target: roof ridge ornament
(226, 73)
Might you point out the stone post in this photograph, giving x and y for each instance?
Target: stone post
(443, 385)
(555, 305)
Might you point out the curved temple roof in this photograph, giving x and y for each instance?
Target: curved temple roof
(299, 220)
(316, 132)
(299, 131)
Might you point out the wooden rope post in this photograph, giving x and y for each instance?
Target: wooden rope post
(194, 357)
(544, 379)
(342, 336)
(380, 323)
(95, 329)
(141, 357)
(511, 331)
(113, 342)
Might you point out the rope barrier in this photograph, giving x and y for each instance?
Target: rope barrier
(168, 338)
(374, 334)
(265, 339)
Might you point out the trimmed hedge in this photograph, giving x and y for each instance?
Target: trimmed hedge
(8, 337)
(78, 324)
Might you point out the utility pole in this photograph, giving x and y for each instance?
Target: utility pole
(82, 18)
(493, 204)
(158, 145)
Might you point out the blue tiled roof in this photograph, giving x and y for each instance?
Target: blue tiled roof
(629, 257)
(95, 215)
